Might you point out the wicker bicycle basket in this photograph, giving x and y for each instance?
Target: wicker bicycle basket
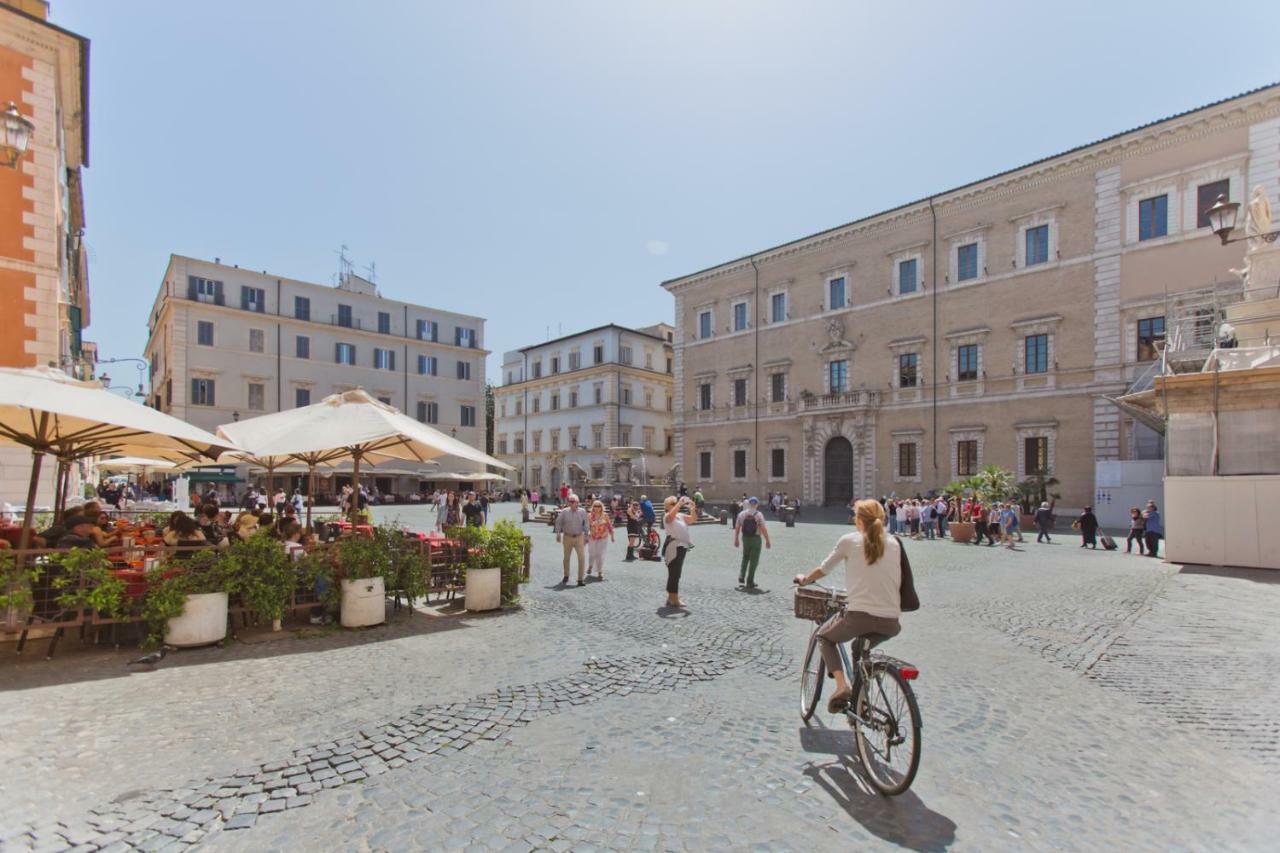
(816, 604)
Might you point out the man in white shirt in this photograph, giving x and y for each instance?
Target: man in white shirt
(571, 530)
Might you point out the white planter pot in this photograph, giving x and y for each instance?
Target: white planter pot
(484, 589)
(203, 621)
(364, 602)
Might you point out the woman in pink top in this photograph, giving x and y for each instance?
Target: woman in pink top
(599, 535)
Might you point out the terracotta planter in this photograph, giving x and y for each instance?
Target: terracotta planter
(961, 531)
(1028, 522)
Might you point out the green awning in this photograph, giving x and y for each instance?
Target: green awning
(213, 477)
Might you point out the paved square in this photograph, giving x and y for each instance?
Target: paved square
(1071, 700)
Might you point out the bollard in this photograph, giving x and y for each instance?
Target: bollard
(724, 516)
(789, 515)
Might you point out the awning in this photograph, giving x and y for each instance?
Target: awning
(213, 477)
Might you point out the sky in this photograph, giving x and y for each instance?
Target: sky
(546, 165)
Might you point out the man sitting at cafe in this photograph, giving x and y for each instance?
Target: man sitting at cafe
(78, 533)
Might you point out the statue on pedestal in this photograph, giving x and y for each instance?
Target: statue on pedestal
(1259, 221)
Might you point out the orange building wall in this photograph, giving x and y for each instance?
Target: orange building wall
(13, 231)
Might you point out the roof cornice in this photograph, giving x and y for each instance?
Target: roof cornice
(1247, 108)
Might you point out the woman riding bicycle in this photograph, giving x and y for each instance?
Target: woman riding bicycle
(873, 577)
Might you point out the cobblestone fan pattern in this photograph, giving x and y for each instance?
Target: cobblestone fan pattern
(594, 718)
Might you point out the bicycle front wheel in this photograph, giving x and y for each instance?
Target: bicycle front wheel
(887, 730)
(811, 678)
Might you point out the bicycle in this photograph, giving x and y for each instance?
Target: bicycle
(883, 713)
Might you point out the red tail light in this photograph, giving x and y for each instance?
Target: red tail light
(910, 673)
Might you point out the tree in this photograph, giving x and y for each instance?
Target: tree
(1034, 491)
(993, 483)
(488, 418)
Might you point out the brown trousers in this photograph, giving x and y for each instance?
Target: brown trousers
(848, 625)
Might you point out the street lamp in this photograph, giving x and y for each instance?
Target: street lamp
(1222, 219)
(141, 363)
(15, 135)
(106, 381)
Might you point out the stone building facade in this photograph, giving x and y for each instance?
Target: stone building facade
(227, 343)
(565, 402)
(982, 325)
(44, 283)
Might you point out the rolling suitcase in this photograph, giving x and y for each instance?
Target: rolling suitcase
(1108, 543)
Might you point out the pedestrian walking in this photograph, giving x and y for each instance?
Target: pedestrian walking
(1009, 522)
(993, 524)
(536, 499)
(599, 535)
(1044, 522)
(635, 529)
(1087, 524)
(1137, 531)
(928, 523)
(1153, 529)
(564, 493)
(571, 531)
(750, 530)
(677, 543)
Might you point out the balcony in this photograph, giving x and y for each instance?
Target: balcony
(841, 400)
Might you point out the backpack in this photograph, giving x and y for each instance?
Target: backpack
(750, 526)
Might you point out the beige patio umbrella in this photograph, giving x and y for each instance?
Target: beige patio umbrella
(348, 425)
(51, 413)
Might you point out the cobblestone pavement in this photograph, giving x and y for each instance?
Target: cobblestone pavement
(1072, 700)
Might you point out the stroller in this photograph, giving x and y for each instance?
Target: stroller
(650, 546)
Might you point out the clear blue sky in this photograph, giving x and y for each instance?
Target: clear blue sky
(546, 165)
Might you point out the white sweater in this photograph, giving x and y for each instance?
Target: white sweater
(873, 588)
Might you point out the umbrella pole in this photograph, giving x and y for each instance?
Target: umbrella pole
(58, 473)
(28, 516)
(355, 485)
(311, 492)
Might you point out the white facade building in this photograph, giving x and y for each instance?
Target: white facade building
(565, 402)
(227, 343)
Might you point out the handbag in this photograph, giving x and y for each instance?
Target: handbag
(908, 600)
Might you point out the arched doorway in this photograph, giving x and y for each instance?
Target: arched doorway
(555, 479)
(837, 472)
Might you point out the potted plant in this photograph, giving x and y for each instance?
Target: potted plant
(186, 600)
(87, 582)
(482, 579)
(961, 530)
(16, 598)
(364, 563)
(505, 549)
(260, 570)
(1034, 491)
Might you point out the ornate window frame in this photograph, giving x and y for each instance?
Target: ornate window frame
(1034, 429)
(955, 340)
(958, 434)
(1033, 219)
(907, 436)
(1047, 325)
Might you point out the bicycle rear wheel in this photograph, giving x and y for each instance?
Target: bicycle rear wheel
(888, 730)
(811, 678)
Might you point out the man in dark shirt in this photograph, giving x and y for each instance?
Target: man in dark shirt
(472, 511)
(79, 533)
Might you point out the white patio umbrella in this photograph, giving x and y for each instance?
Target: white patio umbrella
(49, 412)
(348, 425)
(135, 463)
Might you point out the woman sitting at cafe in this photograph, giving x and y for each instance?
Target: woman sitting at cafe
(182, 530)
(246, 525)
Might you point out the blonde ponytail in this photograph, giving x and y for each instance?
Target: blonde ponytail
(871, 514)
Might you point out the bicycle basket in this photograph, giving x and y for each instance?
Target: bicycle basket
(816, 604)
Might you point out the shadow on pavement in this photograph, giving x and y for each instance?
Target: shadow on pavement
(77, 661)
(668, 612)
(1255, 575)
(903, 820)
